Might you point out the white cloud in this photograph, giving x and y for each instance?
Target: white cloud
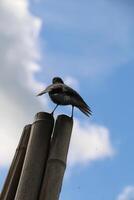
(89, 142)
(7, 147)
(19, 33)
(127, 193)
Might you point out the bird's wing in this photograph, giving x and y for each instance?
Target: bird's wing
(78, 100)
(68, 90)
(51, 88)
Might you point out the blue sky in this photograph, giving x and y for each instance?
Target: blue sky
(89, 44)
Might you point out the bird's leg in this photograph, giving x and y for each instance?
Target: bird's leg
(72, 111)
(54, 109)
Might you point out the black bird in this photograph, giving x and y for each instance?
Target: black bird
(62, 94)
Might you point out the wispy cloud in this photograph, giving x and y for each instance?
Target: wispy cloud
(127, 193)
(72, 82)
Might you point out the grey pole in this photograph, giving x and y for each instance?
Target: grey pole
(11, 183)
(56, 163)
(36, 157)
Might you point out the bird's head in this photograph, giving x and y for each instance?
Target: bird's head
(57, 80)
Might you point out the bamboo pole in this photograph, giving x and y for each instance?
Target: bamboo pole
(11, 183)
(56, 163)
(36, 157)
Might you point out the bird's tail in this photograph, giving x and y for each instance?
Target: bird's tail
(86, 110)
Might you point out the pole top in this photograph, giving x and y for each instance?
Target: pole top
(65, 118)
(43, 116)
(27, 126)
